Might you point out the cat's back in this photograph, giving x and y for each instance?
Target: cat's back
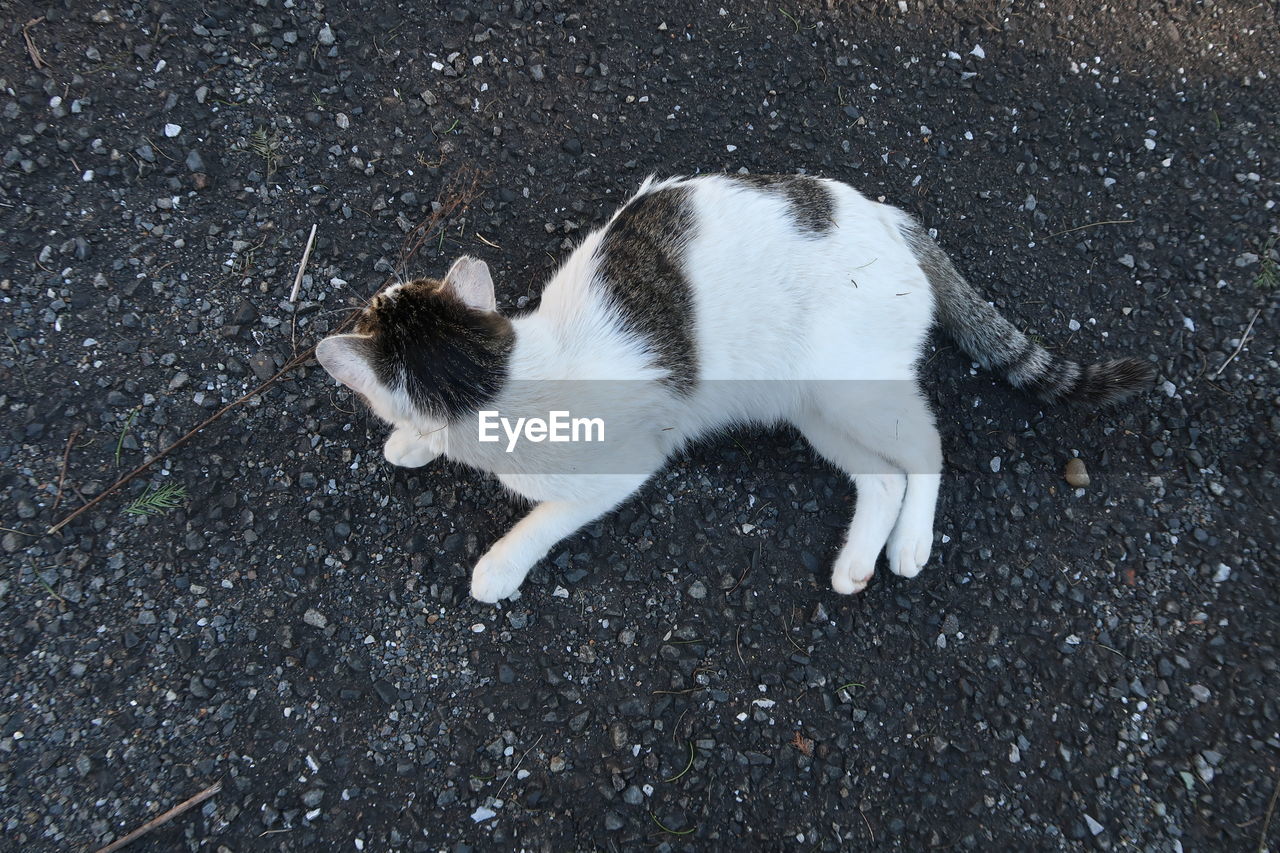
(727, 276)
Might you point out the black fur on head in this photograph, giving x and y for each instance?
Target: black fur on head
(452, 358)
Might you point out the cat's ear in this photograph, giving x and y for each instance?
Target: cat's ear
(469, 280)
(346, 358)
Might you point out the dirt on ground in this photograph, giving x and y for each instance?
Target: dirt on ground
(274, 607)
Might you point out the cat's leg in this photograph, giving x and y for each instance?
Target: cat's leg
(880, 494)
(894, 422)
(409, 449)
(504, 566)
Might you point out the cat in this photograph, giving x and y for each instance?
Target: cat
(704, 303)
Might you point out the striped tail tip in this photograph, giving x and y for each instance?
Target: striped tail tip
(1109, 382)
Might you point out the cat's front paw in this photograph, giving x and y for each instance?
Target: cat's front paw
(407, 449)
(908, 556)
(909, 546)
(852, 572)
(497, 576)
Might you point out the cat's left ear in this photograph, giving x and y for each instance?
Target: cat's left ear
(346, 358)
(470, 281)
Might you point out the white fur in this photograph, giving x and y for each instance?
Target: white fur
(819, 331)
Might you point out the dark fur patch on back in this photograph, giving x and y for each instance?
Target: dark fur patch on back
(811, 203)
(641, 265)
(453, 358)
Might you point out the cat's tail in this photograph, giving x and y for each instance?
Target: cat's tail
(999, 346)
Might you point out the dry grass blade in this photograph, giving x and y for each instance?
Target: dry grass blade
(516, 769)
(1090, 225)
(185, 805)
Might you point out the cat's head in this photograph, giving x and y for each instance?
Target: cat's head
(426, 352)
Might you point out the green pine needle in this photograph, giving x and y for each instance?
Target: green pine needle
(158, 500)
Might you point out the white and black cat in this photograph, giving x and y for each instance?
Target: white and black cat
(704, 303)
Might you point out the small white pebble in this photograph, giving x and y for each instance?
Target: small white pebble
(477, 628)
(1149, 144)
(172, 130)
(1189, 323)
(1073, 325)
(995, 464)
(1222, 574)
(978, 52)
(482, 814)
(731, 148)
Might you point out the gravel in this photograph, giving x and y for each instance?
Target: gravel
(1091, 667)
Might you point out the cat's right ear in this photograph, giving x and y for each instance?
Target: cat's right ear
(470, 281)
(346, 358)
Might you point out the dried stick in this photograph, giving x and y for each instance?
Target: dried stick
(1266, 823)
(164, 818)
(32, 51)
(66, 457)
(1243, 338)
(297, 283)
(302, 267)
(456, 200)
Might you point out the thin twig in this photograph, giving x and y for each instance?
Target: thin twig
(32, 51)
(1266, 822)
(293, 295)
(302, 267)
(455, 201)
(516, 769)
(66, 457)
(164, 818)
(1090, 225)
(1243, 338)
